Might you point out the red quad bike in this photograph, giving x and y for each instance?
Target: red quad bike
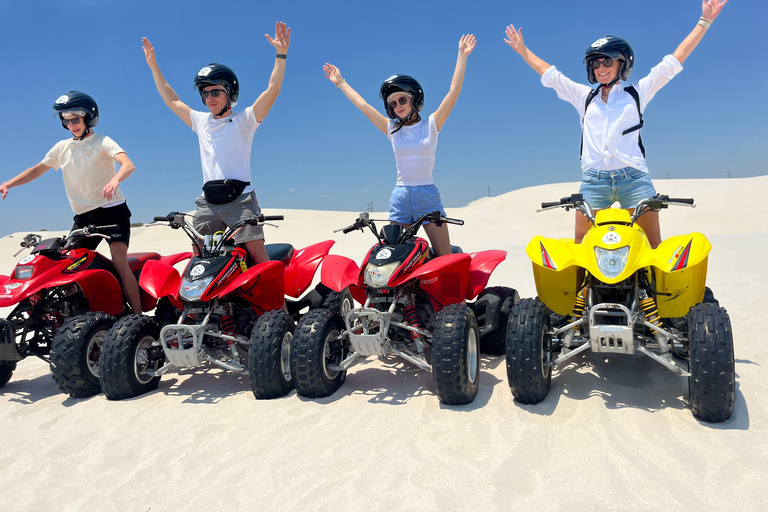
(223, 313)
(67, 299)
(411, 303)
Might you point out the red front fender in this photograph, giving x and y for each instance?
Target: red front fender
(445, 279)
(483, 264)
(262, 285)
(159, 279)
(339, 272)
(301, 270)
(173, 259)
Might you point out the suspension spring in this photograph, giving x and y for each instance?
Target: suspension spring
(579, 305)
(648, 305)
(413, 320)
(227, 326)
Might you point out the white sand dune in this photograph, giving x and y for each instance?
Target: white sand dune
(614, 433)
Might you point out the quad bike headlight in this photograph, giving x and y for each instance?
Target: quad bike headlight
(23, 271)
(611, 262)
(378, 276)
(192, 290)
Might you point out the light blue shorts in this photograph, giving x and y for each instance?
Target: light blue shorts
(628, 186)
(409, 203)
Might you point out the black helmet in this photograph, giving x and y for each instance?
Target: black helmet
(218, 74)
(77, 102)
(402, 83)
(615, 48)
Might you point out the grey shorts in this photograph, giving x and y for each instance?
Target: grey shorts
(210, 218)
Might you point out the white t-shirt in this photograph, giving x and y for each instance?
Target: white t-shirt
(415, 148)
(225, 144)
(604, 147)
(87, 166)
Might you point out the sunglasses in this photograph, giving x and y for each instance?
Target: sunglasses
(75, 121)
(596, 63)
(402, 100)
(215, 93)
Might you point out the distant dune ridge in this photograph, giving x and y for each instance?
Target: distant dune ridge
(614, 433)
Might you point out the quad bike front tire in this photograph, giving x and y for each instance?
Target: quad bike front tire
(528, 346)
(495, 342)
(317, 344)
(125, 358)
(6, 370)
(456, 355)
(270, 355)
(339, 302)
(712, 380)
(75, 353)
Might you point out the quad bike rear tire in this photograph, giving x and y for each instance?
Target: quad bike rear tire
(124, 359)
(339, 302)
(528, 351)
(495, 342)
(6, 370)
(317, 343)
(712, 380)
(270, 355)
(456, 355)
(75, 353)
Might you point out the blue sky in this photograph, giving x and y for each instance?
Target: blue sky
(315, 150)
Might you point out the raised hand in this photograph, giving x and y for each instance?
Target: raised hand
(711, 8)
(149, 52)
(515, 38)
(109, 189)
(467, 44)
(332, 73)
(282, 38)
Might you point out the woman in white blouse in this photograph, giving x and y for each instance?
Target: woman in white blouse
(414, 141)
(612, 155)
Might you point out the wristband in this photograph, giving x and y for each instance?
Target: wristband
(705, 22)
(281, 56)
(340, 82)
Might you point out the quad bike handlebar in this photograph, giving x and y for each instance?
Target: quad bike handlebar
(651, 204)
(364, 221)
(209, 246)
(31, 240)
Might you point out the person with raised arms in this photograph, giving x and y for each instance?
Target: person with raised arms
(414, 141)
(612, 154)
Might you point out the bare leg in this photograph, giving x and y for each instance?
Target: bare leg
(119, 252)
(258, 254)
(439, 238)
(582, 226)
(649, 223)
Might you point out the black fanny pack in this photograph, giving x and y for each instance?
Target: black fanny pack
(223, 191)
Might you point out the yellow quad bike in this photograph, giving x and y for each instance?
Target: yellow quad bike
(614, 294)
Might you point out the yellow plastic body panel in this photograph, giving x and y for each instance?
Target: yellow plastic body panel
(678, 266)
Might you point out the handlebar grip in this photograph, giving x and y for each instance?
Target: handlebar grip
(551, 204)
(108, 227)
(160, 219)
(349, 229)
(688, 200)
(457, 222)
(273, 217)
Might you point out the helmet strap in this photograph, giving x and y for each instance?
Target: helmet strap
(225, 109)
(86, 132)
(611, 83)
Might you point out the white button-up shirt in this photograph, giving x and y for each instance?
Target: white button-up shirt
(604, 147)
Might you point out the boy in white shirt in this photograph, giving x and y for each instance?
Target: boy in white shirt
(87, 163)
(225, 139)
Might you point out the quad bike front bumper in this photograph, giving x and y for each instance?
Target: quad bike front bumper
(183, 347)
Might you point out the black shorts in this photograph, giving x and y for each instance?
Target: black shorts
(119, 215)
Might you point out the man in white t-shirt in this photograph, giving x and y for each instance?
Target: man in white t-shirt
(87, 163)
(225, 139)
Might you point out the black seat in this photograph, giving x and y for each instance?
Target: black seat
(280, 252)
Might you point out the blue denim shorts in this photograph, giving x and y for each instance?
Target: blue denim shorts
(628, 186)
(409, 203)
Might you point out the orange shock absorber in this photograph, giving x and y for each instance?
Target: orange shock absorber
(648, 305)
(413, 320)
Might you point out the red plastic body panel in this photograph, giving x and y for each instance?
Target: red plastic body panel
(160, 279)
(136, 260)
(339, 272)
(483, 264)
(261, 285)
(173, 259)
(301, 270)
(444, 279)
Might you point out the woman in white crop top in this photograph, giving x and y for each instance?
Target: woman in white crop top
(612, 154)
(414, 141)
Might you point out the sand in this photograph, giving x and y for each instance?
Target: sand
(614, 433)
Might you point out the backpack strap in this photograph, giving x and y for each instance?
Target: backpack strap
(635, 96)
